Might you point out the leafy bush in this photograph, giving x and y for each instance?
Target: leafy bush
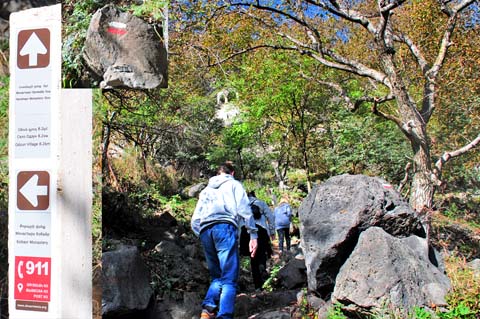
(461, 311)
(153, 9)
(305, 310)
(271, 283)
(335, 312)
(363, 144)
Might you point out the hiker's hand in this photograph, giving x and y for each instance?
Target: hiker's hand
(253, 247)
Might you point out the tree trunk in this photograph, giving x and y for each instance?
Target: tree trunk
(306, 166)
(105, 144)
(423, 188)
(278, 175)
(414, 126)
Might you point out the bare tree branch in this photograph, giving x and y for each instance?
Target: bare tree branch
(390, 6)
(404, 181)
(462, 5)
(270, 9)
(386, 116)
(419, 57)
(254, 48)
(339, 9)
(431, 75)
(334, 60)
(352, 105)
(447, 156)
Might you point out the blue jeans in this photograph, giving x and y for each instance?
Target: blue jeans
(220, 245)
(283, 233)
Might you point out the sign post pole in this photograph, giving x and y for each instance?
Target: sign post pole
(39, 221)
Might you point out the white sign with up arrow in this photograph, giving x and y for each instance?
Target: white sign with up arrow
(32, 48)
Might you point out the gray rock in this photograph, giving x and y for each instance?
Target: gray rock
(171, 308)
(274, 314)
(125, 51)
(248, 305)
(164, 220)
(293, 274)
(475, 265)
(195, 190)
(168, 248)
(125, 282)
(335, 213)
(384, 269)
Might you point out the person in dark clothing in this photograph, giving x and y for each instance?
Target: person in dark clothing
(266, 229)
(265, 222)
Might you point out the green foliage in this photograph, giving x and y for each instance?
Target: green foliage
(464, 174)
(361, 143)
(161, 282)
(460, 311)
(452, 212)
(245, 264)
(153, 9)
(305, 310)
(271, 282)
(97, 228)
(460, 207)
(335, 312)
(421, 313)
(97, 183)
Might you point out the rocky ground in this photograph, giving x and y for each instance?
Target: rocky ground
(172, 258)
(179, 274)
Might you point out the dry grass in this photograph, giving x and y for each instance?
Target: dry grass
(465, 284)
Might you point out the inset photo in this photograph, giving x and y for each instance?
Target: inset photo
(115, 44)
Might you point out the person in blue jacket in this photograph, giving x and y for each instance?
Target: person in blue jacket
(221, 206)
(283, 217)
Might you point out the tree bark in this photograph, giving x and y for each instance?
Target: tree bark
(278, 175)
(414, 127)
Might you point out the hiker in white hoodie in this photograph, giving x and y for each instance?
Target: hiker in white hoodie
(220, 208)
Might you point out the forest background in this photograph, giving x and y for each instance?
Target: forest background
(289, 92)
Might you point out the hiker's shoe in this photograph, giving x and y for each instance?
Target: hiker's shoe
(207, 314)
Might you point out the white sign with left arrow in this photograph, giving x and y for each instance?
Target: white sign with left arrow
(31, 190)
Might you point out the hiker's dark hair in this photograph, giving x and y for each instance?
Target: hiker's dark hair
(226, 168)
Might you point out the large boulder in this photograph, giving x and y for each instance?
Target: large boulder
(384, 269)
(125, 51)
(126, 282)
(334, 215)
